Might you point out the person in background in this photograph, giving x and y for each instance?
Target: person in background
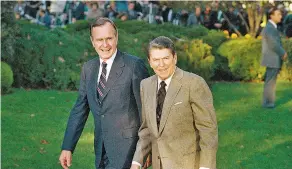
(31, 9)
(273, 55)
(195, 18)
(233, 18)
(78, 12)
(43, 18)
(94, 12)
(132, 14)
(19, 9)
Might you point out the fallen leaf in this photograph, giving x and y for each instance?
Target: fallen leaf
(44, 142)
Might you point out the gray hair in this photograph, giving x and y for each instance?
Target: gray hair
(161, 42)
(102, 21)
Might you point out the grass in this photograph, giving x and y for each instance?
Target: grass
(33, 124)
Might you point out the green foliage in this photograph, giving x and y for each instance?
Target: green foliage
(244, 57)
(8, 29)
(195, 56)
(286, 72)
(214, 38)
(221, 70)
(169, 30)
(53, 58)
(49, 58)
(6, 77)
(78, 26)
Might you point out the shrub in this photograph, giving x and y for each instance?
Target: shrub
(221, 69)
(195, 56)
(286, 72)
(244, 57)
(6, 77)
(49, 58)
(139, 27)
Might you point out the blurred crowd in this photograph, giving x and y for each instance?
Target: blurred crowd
(60, 13)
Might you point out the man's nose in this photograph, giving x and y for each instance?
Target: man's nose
(104, 43)
(161, 63)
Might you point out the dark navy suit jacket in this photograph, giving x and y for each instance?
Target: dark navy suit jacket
(116, 116)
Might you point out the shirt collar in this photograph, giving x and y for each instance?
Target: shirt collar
(167, 81)
(273, 23)
(110, 60)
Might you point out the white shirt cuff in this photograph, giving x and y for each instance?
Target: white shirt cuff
(203, 168)
(135, 162)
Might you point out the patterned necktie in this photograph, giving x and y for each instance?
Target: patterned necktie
(102, 81)
(160, 99)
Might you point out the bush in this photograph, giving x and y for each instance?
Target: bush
(195, 56)
(139, 27)
(6, 77)
(221, 69)
(244, 57)
(286, 72)
(9, 29)
(49, 58)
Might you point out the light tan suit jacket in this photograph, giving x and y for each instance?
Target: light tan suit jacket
(188, 136)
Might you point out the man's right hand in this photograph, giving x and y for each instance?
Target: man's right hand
(65, 159)
(285, 56)
(135, 166)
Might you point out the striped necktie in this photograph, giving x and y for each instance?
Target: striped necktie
(102, 82)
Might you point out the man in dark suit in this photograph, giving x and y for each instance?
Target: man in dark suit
(110, 89)
(273, 55)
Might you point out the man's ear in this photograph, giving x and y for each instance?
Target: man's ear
(175, 58)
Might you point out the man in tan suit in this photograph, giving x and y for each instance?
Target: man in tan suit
(179, 124)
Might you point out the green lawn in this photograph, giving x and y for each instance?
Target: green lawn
(33, 124)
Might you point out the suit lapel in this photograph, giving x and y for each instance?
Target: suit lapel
(94, 70)
(172, 92)
(153, 103)
(115, 72)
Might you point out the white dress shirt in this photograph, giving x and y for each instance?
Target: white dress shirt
(273, 23)
(109, 63)
(167, 82)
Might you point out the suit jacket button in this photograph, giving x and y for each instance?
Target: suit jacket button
(158, 157)
(102, 116)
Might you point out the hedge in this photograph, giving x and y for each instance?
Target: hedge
(53, 58)
(244, 57)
